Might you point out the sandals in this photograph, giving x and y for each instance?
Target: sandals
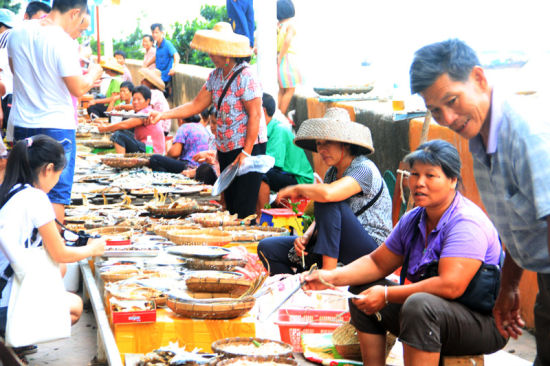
(26, 350)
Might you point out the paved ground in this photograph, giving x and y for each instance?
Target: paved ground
(80, 349)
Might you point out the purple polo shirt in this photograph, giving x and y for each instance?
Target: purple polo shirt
(463, 231)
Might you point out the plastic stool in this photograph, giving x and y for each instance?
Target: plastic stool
(283, 217)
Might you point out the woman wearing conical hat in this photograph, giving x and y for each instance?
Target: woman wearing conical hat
(241, 128)
(352, 206)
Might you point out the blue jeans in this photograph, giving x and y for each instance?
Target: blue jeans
(61, 193)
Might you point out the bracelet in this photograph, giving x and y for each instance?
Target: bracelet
(245, 153)
(386, 294)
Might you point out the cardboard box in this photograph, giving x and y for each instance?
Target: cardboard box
(130, 317)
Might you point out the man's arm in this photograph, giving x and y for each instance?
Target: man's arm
(506, 310)
(151, 62)
(79, 85)
(176, 62)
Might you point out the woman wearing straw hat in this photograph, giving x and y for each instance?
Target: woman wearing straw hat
(352, 206)
(241, 129)
(115, 71)
(152, 79)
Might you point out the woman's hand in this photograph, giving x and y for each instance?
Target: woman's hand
(300, 244)
(189, 173)
(96, 246)
(240, 159)
(289, 192)
(154, 118)
(208, 157)
(317, 280)
(373, 300)
(102, 128)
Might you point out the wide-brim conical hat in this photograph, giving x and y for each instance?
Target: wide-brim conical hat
(336, 125)
(113, 66)
(221, 41)
(153, 76)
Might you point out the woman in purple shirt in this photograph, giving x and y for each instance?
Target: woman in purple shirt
(445, 229)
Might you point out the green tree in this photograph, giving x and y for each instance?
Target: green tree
(182, 35)
(131, 45)
(7, 4)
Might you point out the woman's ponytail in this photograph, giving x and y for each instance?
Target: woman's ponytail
(26, 159)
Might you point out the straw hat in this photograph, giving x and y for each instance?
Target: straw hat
(112, 65)
(334, 126)
(221, 41)
(153, 76)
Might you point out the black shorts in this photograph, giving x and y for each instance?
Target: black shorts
(278, 179)
(432, 324)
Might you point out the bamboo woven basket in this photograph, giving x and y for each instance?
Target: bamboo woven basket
(98, 144)
(124, 163)
(125, 232)
(214, 264)
(199, 237)
(257, 360)
(211, 308)
(218, 282)
(221, 219)
(221, 347)
(346, 342)
(162, 230)
(175, 209)
(117, 273)
(254, 233)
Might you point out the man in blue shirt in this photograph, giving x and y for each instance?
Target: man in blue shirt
(167, 57)
(510, 142)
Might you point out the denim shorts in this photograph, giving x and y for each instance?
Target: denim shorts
(61, 193)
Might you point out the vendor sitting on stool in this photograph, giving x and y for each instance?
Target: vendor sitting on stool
(128, 141)
(352, 207)
(99, 106)
(291, 164)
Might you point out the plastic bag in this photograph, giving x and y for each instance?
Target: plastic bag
(38, 310)
(256, 163)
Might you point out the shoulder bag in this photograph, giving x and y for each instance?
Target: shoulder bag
(38, 310)
(482, 291)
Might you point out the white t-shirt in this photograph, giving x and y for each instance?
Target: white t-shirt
(26, 210)
(41, 57)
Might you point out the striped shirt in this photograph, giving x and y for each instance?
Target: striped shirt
(512, 176)
(377, 219)
(4, 38)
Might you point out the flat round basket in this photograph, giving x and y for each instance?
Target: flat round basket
(257, 360)
(239, 346)
(181, 207)
(124, 163)
(214, 264)
(117, 273)
(98, 144)
(346, 343)
(254, 233)
(232, 283)
(199, 237)
(114, 232)
(220, 219)
(163, 230)
(210, 308)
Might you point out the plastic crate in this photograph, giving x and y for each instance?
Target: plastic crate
(294, 322)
